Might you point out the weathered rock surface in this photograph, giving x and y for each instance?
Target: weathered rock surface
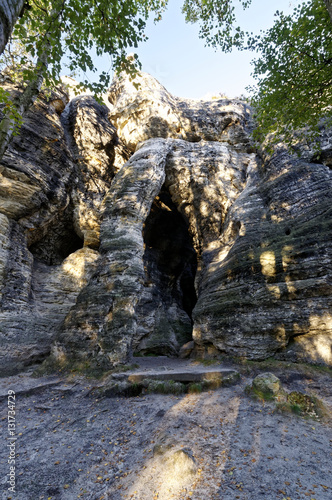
(274, 282)
(98, 154)
(102, 325)
(47, 175)
(144, 109)
(195, 237)
(202, 180)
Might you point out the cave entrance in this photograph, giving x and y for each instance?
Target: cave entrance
(170, 263)
(169, 253)
(59, 242)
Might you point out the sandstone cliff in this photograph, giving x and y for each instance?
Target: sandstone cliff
(142, 229)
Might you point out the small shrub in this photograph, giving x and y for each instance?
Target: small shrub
(303, 405)
(295, 409)
(164, 387)
(209, 362)
(195, 388)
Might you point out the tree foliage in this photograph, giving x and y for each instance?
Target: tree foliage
(51, 29)
(74, 27)
(217, 22)
(293, 72)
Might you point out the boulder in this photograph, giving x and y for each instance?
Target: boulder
(266, 384)
(181, 465)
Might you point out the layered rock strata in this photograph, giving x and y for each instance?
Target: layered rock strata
(50, 210)
(261, 291)
(101, 326)
(268, 288)
(194, 237)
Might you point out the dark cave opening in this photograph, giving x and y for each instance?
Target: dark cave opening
(57, 244)
(170, 258)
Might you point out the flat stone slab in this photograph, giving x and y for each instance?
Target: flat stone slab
(179, 370)
(198, 375)
(184, 375)
(26, 385)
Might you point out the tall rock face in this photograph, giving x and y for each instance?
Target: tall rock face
(267, 289)
(159, 224)
(51, 189)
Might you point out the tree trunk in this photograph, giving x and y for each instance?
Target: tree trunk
(9, 12)
(22, 104)
(328, 4)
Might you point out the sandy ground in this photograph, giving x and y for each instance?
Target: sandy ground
(74, 443)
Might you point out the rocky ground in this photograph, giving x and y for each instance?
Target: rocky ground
(73, 442)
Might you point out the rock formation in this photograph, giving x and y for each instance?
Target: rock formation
(158, 225)
(52, 183)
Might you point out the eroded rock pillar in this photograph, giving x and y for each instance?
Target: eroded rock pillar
(101, 325)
